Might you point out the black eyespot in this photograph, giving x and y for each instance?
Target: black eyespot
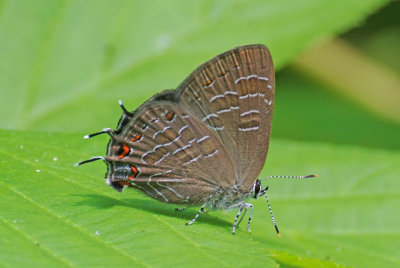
(257, 188)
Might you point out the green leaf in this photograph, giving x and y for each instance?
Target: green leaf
(69, 60)
(288, 260)
(55, 214)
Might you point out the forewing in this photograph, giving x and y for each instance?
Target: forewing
(233, 94)
(168, 154)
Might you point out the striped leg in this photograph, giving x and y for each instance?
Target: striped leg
(241, 218)
(236, 218)
(247, 205)
(250, 216)
(197, 215)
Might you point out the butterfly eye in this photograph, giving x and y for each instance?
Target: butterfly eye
(257, 188)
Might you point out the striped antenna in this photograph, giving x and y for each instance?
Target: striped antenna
(291, 177)
(272, 215)
(109, 131)
(91, 160)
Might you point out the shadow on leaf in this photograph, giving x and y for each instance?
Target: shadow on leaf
(105, 202)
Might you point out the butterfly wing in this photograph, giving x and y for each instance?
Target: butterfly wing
(233, 94)
(168, 154)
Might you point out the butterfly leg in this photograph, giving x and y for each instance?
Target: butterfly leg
(250, 216)
(236, 218)
(197, 215)
(241, 218)
(180, 209)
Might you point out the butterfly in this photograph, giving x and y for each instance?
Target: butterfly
(203, 144)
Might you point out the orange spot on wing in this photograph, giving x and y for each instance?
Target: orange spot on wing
(137, 137)
(125, 151)
(170, 115)
(135, 172)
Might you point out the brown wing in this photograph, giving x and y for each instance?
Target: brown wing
(234, 95)
(169, 154)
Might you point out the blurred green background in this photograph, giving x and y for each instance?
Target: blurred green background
(361, 107)
(65, 64)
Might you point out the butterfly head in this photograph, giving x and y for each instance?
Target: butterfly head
(257, 192)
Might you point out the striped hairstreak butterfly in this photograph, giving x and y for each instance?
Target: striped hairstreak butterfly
(203, 144)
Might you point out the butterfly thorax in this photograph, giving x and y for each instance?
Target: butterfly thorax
(228, 199)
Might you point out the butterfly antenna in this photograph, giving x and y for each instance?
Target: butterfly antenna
(291, 177)
(91, 160)
(124, 109)
(109, 131)
(272, 216)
